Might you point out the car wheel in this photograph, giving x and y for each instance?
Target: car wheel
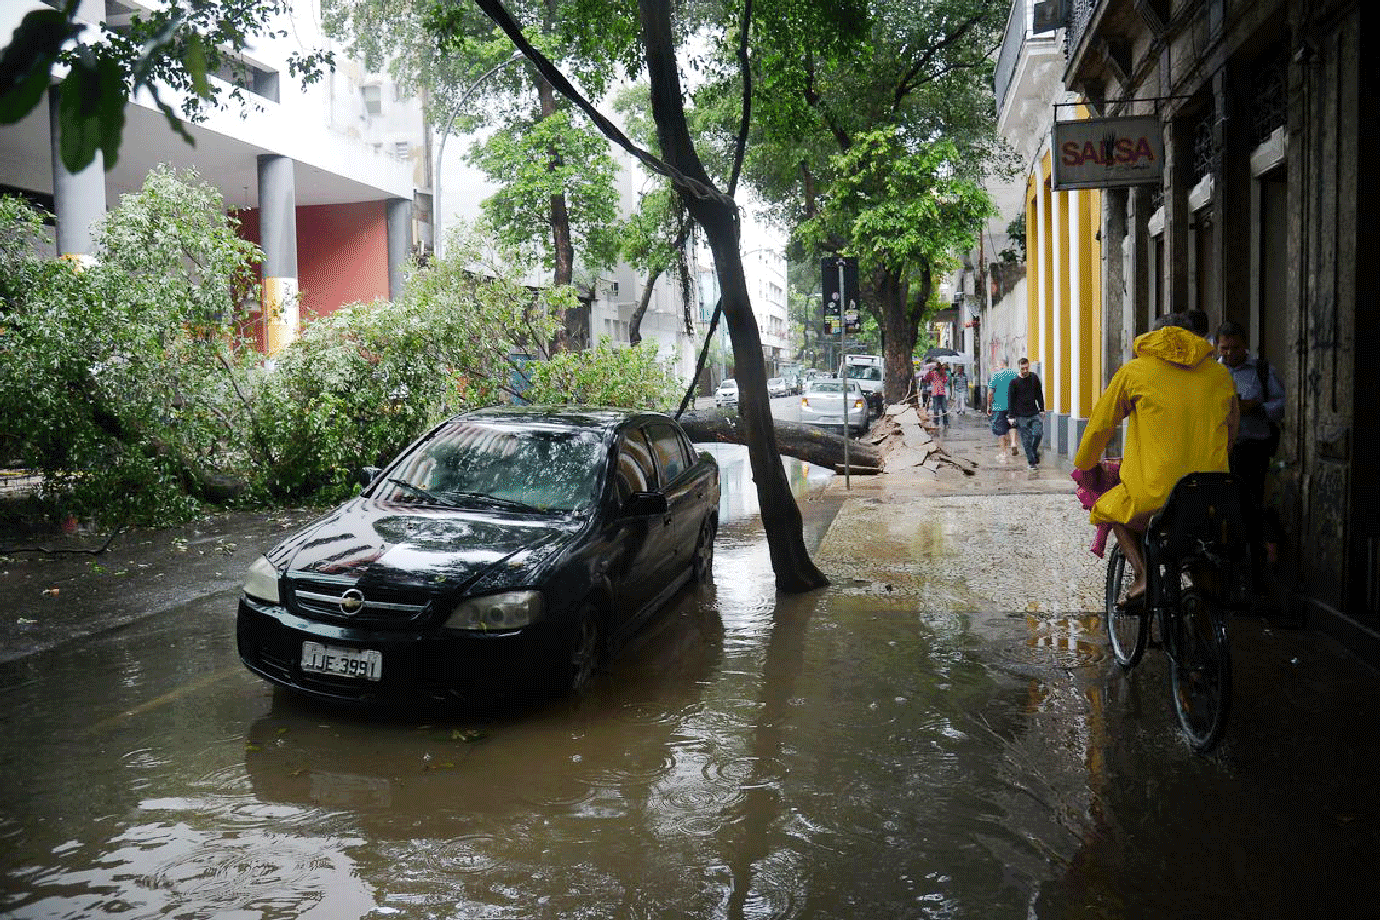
(585, 650)
(703, 563)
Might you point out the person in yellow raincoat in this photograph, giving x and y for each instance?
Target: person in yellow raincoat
(1182, 411)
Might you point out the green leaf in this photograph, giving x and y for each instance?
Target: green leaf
(91, 112)
(27, 61)
(195, 61)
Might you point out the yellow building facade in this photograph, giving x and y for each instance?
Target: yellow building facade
(1064, 302)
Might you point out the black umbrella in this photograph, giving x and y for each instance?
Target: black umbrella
(941, 353)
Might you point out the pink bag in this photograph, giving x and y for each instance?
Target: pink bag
(1091, 484)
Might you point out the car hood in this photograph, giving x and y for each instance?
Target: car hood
(370, 540)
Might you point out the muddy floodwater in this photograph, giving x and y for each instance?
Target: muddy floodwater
(854, 752)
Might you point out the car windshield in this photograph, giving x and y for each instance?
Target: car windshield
(864, 372)
(729, 385)
(828, 386)
(529, 468)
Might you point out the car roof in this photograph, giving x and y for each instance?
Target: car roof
(597, 418)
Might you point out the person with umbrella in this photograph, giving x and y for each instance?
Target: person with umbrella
(938, 380)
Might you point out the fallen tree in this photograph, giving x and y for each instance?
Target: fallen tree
(804, 442)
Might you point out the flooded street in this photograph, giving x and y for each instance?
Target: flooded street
(912, 748)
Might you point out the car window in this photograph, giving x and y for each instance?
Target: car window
(551, 468)
(634, 470)
(826, 386)
(671, 453)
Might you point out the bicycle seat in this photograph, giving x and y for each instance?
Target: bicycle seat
(1202, 507)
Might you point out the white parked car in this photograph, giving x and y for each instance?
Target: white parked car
(727, 393)
(822, 404)
(777, 386)
(867, 371)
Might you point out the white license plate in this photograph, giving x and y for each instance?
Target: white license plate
(342, 662)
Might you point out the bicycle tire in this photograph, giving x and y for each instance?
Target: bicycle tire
(1200, 662)
(1127, 631)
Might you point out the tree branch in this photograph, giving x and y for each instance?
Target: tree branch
(910, 80)
(495, 10)
(816, 102)
(746, 67)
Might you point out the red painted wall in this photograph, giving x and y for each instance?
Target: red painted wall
(342, 253)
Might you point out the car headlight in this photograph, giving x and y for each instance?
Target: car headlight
(509, 610)
(262, 581)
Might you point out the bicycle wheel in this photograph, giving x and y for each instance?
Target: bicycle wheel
(1127, 630)
(1200, 661)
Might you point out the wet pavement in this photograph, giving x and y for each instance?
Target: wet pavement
(940, 733)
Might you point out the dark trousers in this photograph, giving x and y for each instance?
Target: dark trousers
(1250, 461)
(1032, 428)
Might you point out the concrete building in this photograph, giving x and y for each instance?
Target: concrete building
(336, 181)
(324, 177)
(1261, 107)
(672, 316)
(764, 266)
(1049, 309)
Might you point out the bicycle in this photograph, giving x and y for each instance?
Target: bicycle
(1197, 571)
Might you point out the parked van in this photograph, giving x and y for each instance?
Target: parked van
(867, 371)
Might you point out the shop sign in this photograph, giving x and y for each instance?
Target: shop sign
(1107, 152)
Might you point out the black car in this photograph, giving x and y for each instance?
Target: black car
(507, 550)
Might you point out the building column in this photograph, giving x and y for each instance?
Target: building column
(1035, 268)
(1178, 172)
(1037, 334)
(278, 236)
(1076, 313)
(78, 198)
(1055, 369)
(399, 218)
(1139, 313)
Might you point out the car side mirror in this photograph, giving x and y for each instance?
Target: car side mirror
(645, 504)
(368, 474)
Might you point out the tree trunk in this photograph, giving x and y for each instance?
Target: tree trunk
(718, 216)
(898, 335)
(635, 323)
(803, 442)
(562, 245)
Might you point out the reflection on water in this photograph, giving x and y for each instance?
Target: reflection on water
(752, 756)
(738, 498)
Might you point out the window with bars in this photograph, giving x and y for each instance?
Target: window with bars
(1204, 148)
(1269, 102)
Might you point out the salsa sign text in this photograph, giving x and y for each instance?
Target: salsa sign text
(1107, 152)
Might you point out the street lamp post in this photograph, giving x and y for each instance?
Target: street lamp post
(439, 236)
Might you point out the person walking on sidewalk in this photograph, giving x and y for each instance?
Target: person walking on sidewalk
(998, 391)
(1262, 409)
(1181, 409)
(938, 379)
(960, 391)
(1026, 398)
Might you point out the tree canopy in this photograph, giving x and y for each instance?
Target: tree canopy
(914, 93)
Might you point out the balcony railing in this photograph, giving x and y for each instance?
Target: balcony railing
(1020, 26)
(1017, 28)
(1080, 15)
